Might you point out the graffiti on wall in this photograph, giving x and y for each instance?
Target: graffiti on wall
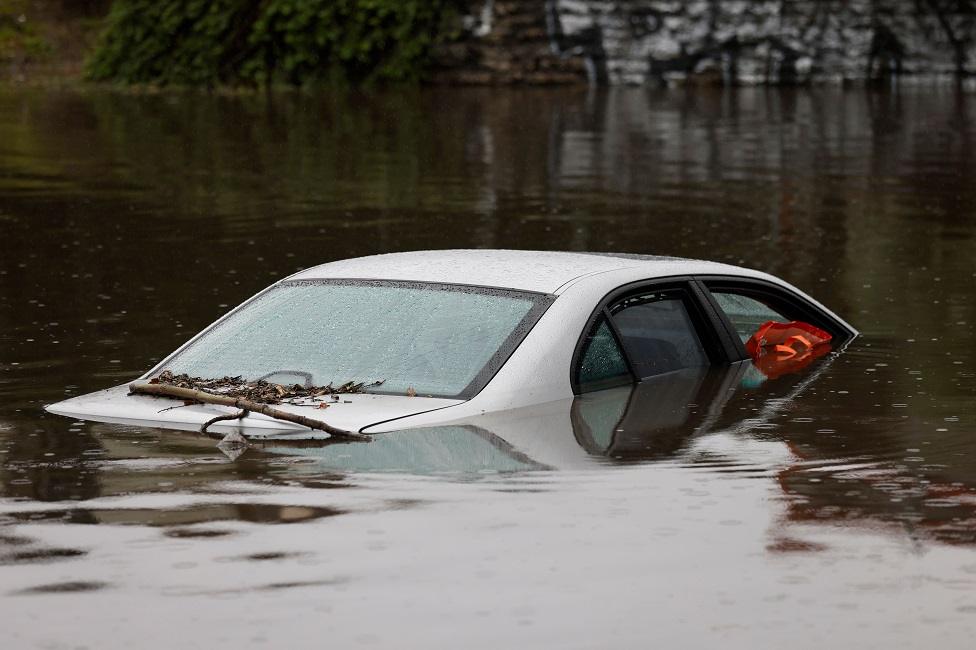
(729, 41)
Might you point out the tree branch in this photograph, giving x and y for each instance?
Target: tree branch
(166, 390)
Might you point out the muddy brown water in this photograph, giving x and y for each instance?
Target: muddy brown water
(835, 507)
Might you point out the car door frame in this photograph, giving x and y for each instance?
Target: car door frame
(709, 322)
(799, 308)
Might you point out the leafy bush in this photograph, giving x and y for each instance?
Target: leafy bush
(19, 40)
(267, 41)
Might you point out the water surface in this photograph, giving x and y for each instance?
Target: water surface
(840, 504)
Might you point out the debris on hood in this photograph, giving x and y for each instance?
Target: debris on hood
(257, 391)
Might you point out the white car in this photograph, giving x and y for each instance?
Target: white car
(454, 335)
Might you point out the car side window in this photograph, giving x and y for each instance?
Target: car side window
(658, 332)
(746, 314)
(602, 363)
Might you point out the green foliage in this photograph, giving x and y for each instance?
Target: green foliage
(267, 41)
(19, 40)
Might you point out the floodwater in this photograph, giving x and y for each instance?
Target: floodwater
(831, 509)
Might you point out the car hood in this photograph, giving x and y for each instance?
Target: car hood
(353, 412)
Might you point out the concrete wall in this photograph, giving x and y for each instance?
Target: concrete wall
(728, 41)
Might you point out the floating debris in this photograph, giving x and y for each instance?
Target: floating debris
(191, 395)
(257, 391)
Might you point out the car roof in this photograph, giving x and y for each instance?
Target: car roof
(539, 271)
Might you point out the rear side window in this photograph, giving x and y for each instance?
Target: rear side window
(602, 363)
(658, 333)
(746, 314)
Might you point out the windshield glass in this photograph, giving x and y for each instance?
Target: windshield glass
(438, 340)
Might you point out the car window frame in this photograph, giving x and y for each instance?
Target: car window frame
(579, 353)
(540, 304)
(711, 330)
(796, 305)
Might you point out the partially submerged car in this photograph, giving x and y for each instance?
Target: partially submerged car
(445, 337)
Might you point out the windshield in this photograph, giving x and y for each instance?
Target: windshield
(434, 340)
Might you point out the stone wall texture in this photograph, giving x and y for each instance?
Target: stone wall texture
(722, 41)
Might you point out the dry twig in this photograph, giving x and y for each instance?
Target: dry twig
(161, 389)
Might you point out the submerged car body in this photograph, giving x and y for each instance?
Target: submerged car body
(443, 337)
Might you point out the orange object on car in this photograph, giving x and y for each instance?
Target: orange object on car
(782, 348)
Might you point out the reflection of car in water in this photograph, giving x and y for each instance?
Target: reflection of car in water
(448, 337)
(657, 419)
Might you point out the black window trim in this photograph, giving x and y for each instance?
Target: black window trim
(757, 288)
(709, 326)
